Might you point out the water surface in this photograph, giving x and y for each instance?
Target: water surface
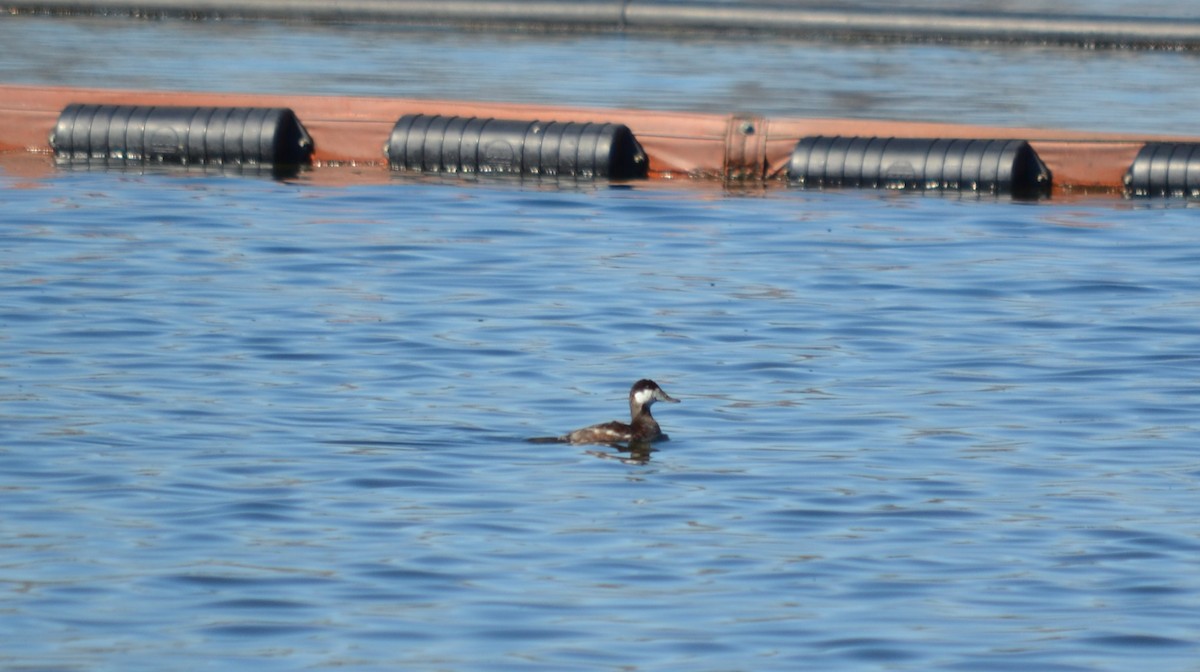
(1149, 92)
(246, 422)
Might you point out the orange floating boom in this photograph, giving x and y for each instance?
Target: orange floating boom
(728, 147)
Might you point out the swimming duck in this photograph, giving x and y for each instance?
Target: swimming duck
(642, 428)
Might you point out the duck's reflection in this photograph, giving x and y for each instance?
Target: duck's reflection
(635, 452)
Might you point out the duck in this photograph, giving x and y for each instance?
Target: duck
(642, 428)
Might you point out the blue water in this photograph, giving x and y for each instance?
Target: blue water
(1147, 92)
(247, 423)
(280, 426)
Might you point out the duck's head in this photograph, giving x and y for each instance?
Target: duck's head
(645, 392)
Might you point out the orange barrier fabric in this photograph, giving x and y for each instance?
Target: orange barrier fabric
(354, 130)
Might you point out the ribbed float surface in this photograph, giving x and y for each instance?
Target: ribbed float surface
(990, 166)
(1165, 169)
(448, 144)
(186, 136)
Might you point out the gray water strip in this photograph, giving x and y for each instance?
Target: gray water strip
(649, 16)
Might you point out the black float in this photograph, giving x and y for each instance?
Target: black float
(238, 138)
(475, 145)
(1165, 169)
(986, 166)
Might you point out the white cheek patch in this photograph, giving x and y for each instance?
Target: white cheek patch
(643, 396)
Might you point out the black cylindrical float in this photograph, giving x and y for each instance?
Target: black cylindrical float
(441, 144)
(129, 135)
(1165, 169)
(994, 166)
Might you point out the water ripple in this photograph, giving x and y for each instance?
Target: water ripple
(915, 433)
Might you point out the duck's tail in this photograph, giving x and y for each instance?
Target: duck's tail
(548, 439)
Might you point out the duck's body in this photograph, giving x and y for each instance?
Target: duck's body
(642, 428)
